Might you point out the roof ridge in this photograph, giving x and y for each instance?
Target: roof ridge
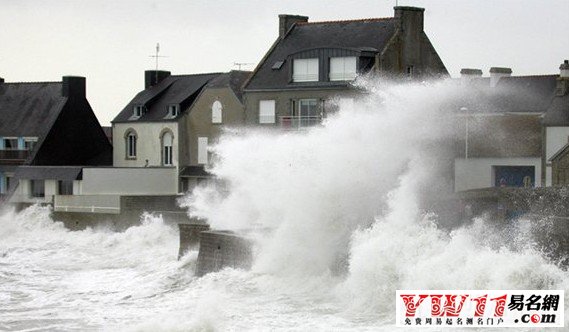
(371, 19)
(41, 82)
(200, 74)
(538, 75)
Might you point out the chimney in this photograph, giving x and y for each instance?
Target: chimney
(73, 86)
(287, 21)
(468, 74)
(410, 18)
(563, 79)
(1, 80)
(153, 77)
(496, 73)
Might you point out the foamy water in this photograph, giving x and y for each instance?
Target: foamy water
(343, 205)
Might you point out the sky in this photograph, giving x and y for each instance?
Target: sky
(110, 41)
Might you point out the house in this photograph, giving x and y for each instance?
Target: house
(173, 120)
(311, 66)
(45, 125)
(499, 129)
(556, 131)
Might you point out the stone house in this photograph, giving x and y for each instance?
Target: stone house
(311, 66)
(44, 126)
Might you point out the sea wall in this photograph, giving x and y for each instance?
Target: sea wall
(221, 249)
(190, 236)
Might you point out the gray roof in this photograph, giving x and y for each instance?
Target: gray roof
(234, 80)
(365, 35)
(516, 94)
(28, 109)
(49, 173)
(177, 89)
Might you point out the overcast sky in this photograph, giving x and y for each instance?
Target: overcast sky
(110, 41)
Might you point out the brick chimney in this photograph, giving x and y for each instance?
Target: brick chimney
(153, 77)
(468, 74)
(496, 73)
(563, 79)
(287, 21)
(73, 86)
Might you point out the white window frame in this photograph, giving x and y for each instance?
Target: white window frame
(216, 112)
(167, 157)
(138, 110)
(28, 140)
(343, 68)
(305, 70)
(267, 111)
(173, 111)
(130, 144)
(202, 150)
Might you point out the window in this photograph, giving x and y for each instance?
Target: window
(29, 143)
(410, 71)
(10, 143)
(130, 138)
(173, 111)
(343, 69)
(216, 112)
(202, 150)
(305, 70)
(138, 110)
(267, 111)
(37, 188)
(65, 187)
(167, 140)
(308, 108)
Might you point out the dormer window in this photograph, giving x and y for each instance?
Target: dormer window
(138, 109)
(173, 111)
(343, 68)
(305, 70)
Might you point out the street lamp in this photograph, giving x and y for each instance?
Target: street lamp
(465, 110)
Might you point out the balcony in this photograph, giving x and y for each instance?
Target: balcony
(299, 122)
(13, 157)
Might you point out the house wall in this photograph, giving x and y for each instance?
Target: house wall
(555, 139)
(130, 181)
(283, 101)
(198, 122)
(148, 143)
(476, 173)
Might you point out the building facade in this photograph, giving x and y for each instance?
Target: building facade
(310, 68)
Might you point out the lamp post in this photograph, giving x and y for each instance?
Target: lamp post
(465, 110)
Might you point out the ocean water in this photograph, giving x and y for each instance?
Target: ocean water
(341, 228)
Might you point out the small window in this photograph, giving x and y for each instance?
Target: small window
(266, 111)
(10, 143)
(216, 112)
(305, 70)
(277, 65)
(130, 144)
(37, 188)
(343, 68)
(173, 111)
(167, 140)
(202, 150)
(138, 110)
(29, 143)
(410, 70)
(65, 187)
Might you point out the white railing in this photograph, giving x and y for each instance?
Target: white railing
(87, 203)
(295, 122)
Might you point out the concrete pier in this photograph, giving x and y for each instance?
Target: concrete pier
(221, 249)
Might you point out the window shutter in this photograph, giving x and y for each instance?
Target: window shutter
(267, 111)
(202, 150)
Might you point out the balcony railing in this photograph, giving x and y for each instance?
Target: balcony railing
(13, 157)
(297, 122)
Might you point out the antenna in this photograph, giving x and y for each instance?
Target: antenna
(156, 56)
(240, 64)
